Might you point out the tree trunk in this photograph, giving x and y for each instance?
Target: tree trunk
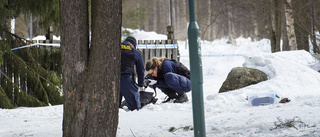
(231, 29)
(270, 30)
(277, 18)
(90, 79)
(290, 25)
(209, 19)
(284, 34)
(74, 52)
(313, 36)
(302, 24)
(255, 24)
(104, 66)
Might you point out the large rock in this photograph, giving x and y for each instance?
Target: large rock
(240, 77)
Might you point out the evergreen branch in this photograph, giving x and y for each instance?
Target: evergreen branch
(35, 71)
(10, 80)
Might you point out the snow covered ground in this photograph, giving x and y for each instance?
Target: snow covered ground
(227, 114)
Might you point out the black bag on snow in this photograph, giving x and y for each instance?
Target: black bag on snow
(145, 99)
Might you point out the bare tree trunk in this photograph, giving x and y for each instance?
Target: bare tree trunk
(90, 79)
(209, 18)
(231, 29)
(284, 34)
(302, 24)
(277, 18)
(256, 33)
(269, 25)
(313, 36)
(290, 25)
(180, 9)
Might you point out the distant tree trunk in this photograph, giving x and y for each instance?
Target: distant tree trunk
(270, 30)
(284, 34)
(256, 33)
(277, 18)
(290, 25)
(90, 79)
(313, 36)
(155, 21)
(231, 28)
(302, 24)
(209, 18)
(180, 23)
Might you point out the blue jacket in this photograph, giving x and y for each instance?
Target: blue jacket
(139, 68)
(174, 76)
(167, 66)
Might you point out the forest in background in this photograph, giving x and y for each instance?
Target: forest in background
(229, 18)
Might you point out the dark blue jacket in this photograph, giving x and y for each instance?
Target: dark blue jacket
(139, 67)
(173, 76)
(174, 67)
(167, 66)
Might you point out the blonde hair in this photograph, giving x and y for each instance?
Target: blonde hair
(155, 62)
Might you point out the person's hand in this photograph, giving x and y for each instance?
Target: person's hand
(152, 82)
(149, 81)
(140, 89)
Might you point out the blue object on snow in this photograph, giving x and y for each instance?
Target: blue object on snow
(262, 101)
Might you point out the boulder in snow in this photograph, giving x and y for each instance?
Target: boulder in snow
(240, 77)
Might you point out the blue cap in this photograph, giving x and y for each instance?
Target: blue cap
(132, 40)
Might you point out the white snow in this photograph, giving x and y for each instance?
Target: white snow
(43, 37)
(227, 114)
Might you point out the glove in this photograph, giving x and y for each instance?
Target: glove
(152, 82)
(140, 89)
(149, 80)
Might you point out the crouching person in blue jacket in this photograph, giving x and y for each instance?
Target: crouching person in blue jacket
(173, 78)
(131, 57)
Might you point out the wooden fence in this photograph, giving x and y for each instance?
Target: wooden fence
(157, 48)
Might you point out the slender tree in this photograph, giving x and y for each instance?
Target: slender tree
(290, 25)
(277, 23)
(269, 25)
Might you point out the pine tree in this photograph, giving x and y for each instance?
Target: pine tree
(28, 65)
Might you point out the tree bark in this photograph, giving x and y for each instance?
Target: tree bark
(104, 67)
(277, 18)
(302, 23)
(91, 77)
(313, 36)
(255, 24)
(231, 28)
(74, 52)
(270, 30)
(290, 26)
(284, 34)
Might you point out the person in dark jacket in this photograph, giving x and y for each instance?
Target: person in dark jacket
(173, 78)
(131, 57)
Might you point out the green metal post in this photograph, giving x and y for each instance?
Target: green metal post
(196, 73)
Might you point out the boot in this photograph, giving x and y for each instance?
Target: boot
(182, 98)
(170, 96)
